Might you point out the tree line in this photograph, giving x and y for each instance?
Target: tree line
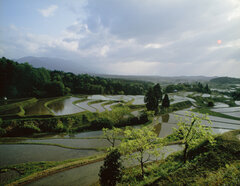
(22, 80)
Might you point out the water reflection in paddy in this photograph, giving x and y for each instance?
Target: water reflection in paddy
(79, 143)
(88, 174)
(14, 154)
(85, 106)
(108, 107)
(66, 106)
(84, 175)
(98, 106)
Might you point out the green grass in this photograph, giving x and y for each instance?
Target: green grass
(18, 106)
(79, 101)
(207, 164)
(94, 102)
(176, 107)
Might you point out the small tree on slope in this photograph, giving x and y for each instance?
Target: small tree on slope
(192, 131)
(111, 171)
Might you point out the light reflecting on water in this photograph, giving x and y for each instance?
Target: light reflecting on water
(14, 154)
(66, 106)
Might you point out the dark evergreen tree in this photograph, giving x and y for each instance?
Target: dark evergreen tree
(158, 92)
(207, 89)
(151, 101)
(111, 171)
(166, 101)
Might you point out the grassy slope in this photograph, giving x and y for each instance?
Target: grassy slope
(207, 165)
(18, 106)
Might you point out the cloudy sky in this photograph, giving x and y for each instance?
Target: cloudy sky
(129, 37)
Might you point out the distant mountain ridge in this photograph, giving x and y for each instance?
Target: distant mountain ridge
(224, 80)
(161, 79)
(77, 68)
(54, 64)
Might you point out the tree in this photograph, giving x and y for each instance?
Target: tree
(165, 102)
(111, 171)
(111, 135)
(157, 92)
(192, 131)
(151, 101)
(139, 143)
(207, 89)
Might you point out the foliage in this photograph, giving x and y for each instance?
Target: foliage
(193, 132)
(236, 95)
(198, 87)
(111, 171)
(176, 106)
(208, 164)
(153, 97)
(210, 103)
(165, 102)
(140, 142)
(157, 90)
(112, 135)
(23, 80)
(225, 80)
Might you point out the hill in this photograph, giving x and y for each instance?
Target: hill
(55, 64)
(225, 80)
(161, 79)
(217, 164)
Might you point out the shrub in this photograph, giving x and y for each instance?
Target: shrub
(111, 171)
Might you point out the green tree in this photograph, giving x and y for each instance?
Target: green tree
(140, 142)
(111, 171)
(111, 135)
(166, 101)
(158, 92)
(193, 132)
(151, 101)
(207, 89)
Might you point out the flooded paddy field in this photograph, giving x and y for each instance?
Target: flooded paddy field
(98, 106)
(78, 143)
(20, 153)
(84, 105)
(84, 176)
(88, 174)
(66, 106)
(37, 108)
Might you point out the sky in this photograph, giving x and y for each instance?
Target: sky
(127, 37)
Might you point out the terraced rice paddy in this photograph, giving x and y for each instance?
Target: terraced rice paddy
(18, 153)
(37, 108)
(66, 106)
(88, 174)
(231, 111)
(84, 105)
(220, 105)
(78, 143)
(98, 107)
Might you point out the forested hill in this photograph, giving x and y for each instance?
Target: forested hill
(22, 80)
(225, 80)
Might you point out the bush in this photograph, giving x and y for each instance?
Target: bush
(111, 171)
(101, 122)
(210, 104)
